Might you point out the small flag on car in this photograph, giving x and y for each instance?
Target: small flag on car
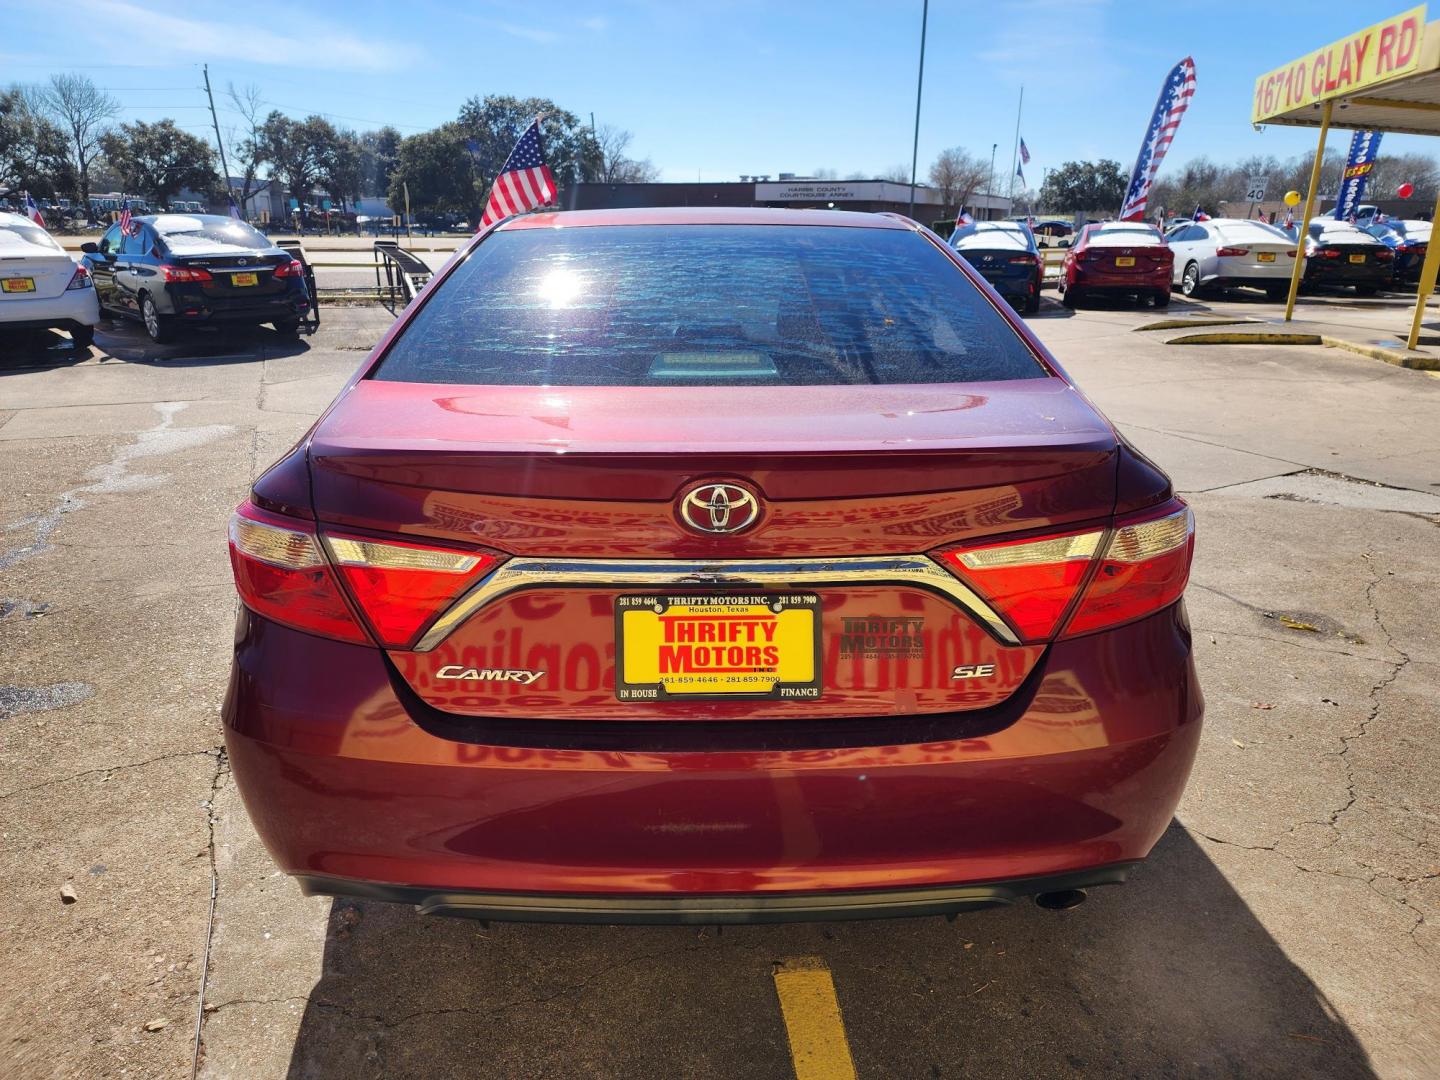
(962, 219)
(1199, 214)
(125, 225)
(524, 183)
(234, 208)
(32, 211)
(1024, 153)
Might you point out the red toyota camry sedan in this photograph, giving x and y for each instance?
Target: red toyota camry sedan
(710, 566)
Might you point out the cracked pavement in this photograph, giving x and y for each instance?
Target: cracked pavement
(1288, 924)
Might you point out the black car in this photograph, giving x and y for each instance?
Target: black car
(1005, 254)
(1337, 253)
(173, 270)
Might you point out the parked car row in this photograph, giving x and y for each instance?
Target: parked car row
(165, 271)
(1131, 258)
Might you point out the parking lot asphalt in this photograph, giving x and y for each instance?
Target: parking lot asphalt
(1286, 924)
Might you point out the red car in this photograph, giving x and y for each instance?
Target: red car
(707, 566)
(1117, 258)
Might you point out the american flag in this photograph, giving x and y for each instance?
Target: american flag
(1020, 172)
(32, 211)
(1174, 99)
(1024, 153)
(524, 183)
(125, 225)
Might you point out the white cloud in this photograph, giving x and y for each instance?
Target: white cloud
(529, 33)
(175, 35)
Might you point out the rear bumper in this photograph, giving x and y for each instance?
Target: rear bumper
(355, 796)
(196, 307)
(1092, 281)
(71, 309)
(718, 907)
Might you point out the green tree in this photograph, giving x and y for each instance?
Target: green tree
(158, 160)
(378, 152)
(297, 150)
(32, 149)
(439, 171)
(496, 124)
(1084, 185)
(339, 175)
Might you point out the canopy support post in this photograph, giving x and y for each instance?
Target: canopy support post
(1428, 273)
(1309, 207)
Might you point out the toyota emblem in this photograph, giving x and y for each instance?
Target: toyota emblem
(719, 508)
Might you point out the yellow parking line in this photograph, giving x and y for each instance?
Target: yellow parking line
(818, 1047)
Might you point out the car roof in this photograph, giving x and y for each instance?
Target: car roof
(8, 218)
(704, 215)
(154, 219)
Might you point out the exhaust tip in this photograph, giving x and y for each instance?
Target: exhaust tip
(1061, 900)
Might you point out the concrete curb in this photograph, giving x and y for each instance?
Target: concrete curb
(1181, 324)
(1398, 357)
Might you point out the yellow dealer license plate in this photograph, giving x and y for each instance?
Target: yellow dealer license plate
(1357, 258)
(717, 646)
(17, 284)
(1267, 256)
(244, 279)
(1125, 260)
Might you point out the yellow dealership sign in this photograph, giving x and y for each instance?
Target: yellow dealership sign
(1373, 55)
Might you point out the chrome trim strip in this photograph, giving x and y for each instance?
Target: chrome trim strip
(526, 573)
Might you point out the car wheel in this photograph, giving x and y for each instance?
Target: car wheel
(287, 327)
(82, 337)
(1162, 299)
(1365, 290)
(1190, 280)
(1032, 304)
(1071, 299)
(155, 324)
(1277, 291)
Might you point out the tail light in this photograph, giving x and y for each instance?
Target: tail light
(1384, 255)
(80, 279)
(1024, 260)
(1142, 567)
(1227, 252)
(1292, 253)
(293, 268)
(1329, 253)
(400, 587)
(282, 572)
(185, 273)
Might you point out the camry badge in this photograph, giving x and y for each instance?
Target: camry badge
(719, 508)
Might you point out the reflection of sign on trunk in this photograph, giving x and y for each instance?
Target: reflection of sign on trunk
(1370, 56)
(1255, 188)
(1364, 149)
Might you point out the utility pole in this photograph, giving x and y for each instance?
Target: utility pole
(224, 168)
(1015, 153)
(919, 88)
(990, 190)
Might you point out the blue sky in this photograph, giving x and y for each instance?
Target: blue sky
(715, 89)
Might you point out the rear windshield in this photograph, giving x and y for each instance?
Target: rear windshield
(712, 305)
(15, 234)
(189, 235)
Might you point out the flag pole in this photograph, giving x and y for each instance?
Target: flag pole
(919, 87)
(1015, 152)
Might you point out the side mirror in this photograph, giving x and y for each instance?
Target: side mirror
(90, 247)
(1065, 242)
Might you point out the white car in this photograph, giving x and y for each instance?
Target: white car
(41, 287)
(1233, 251)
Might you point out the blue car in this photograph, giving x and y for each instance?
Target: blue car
(1409, 240)
(1005, 254)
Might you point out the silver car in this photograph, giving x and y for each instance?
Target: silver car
(1233, 251)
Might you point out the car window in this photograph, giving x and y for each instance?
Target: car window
(18, 234)
(676, 305)
(110, 242)
(186, 235)
(135, 243)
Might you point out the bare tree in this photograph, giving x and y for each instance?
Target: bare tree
(612, 164)
(84, 112)
(896, 174)
(957, 173)
(247, 146)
